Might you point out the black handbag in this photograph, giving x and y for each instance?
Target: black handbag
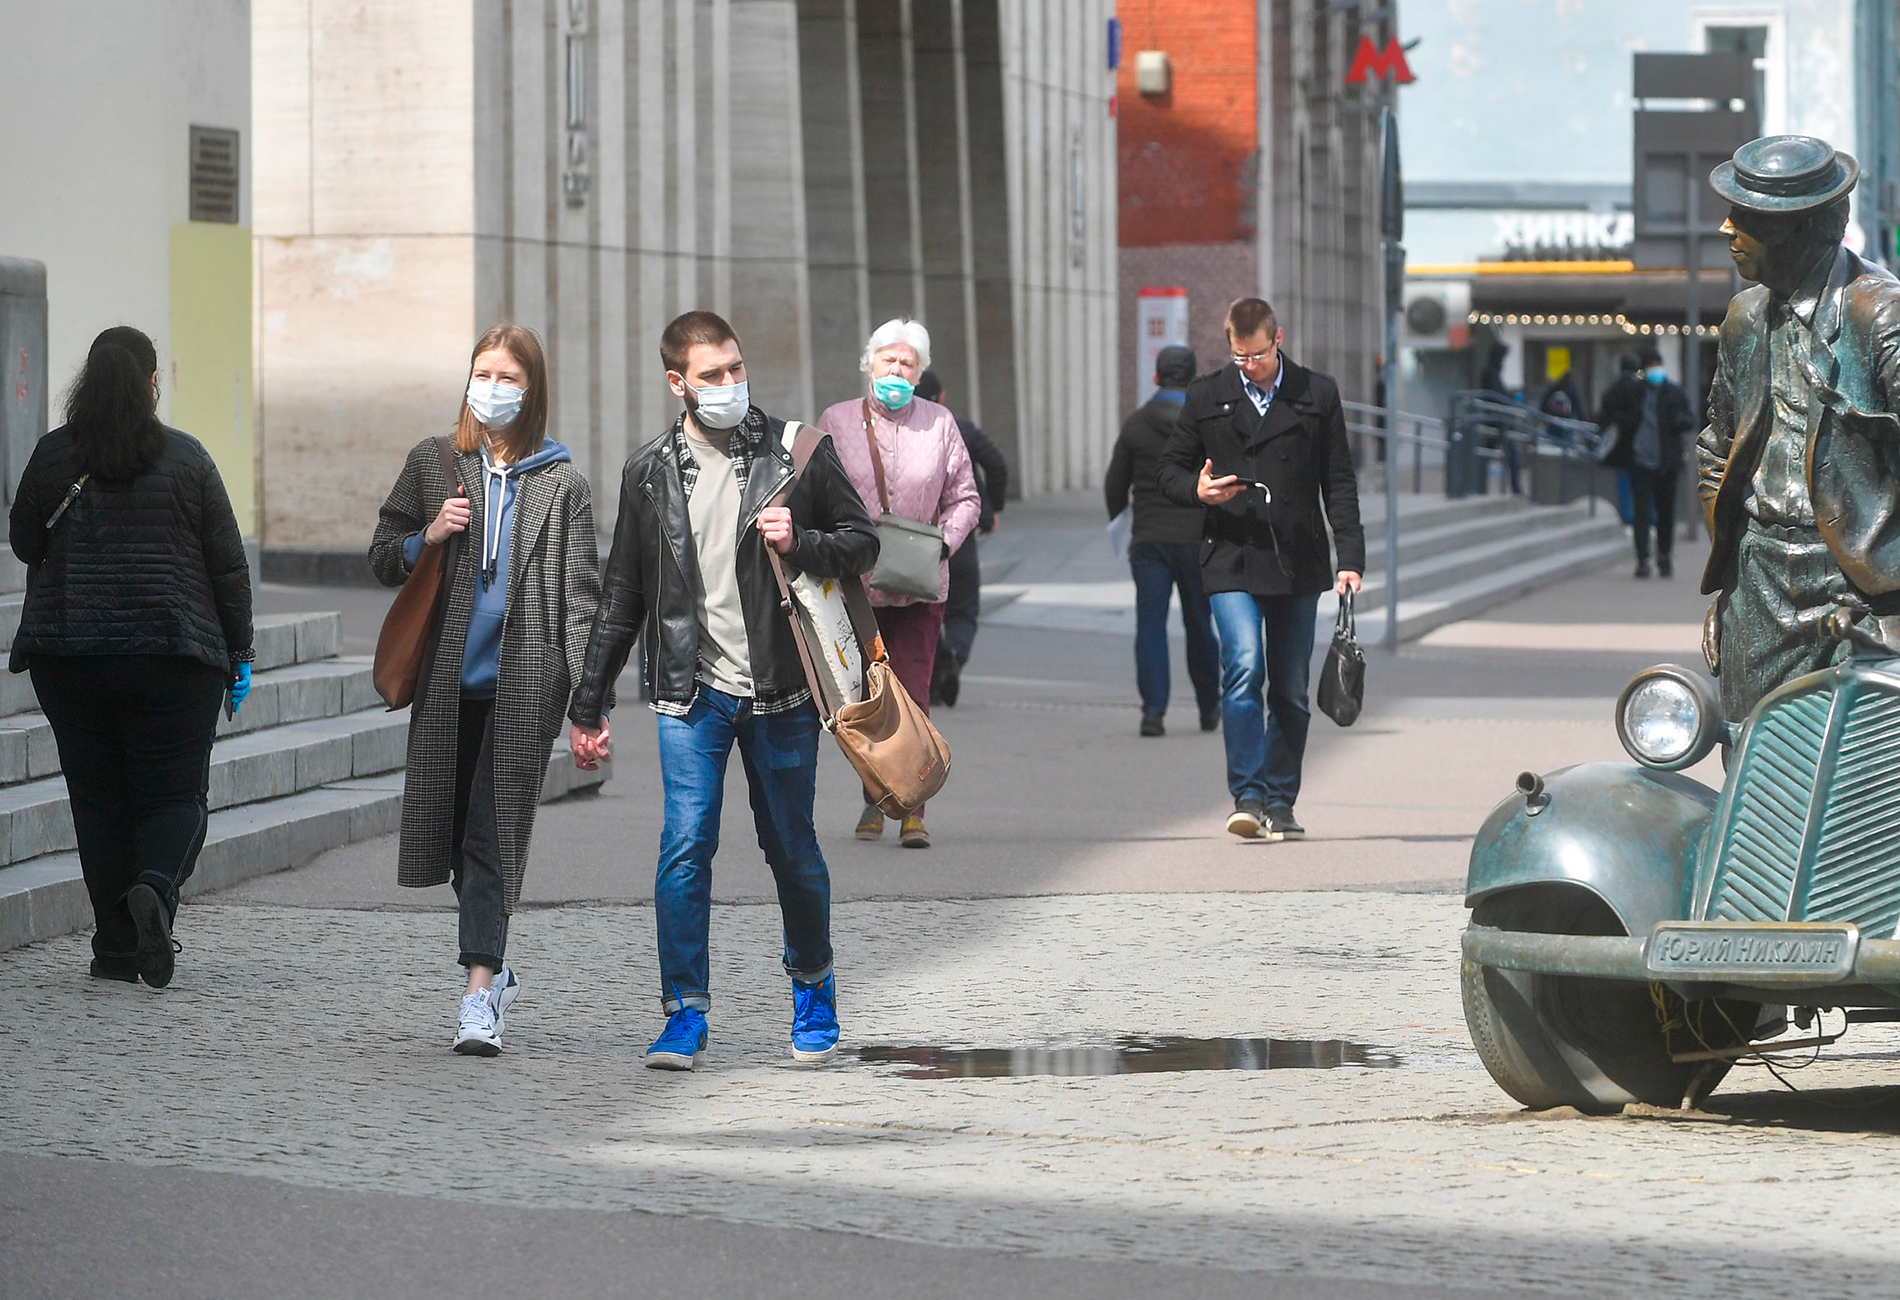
(1342, 682)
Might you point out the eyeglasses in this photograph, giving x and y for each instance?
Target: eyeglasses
(1249, 358)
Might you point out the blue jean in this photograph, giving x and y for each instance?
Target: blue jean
(1265, 640)
(780, 753)
(1160, 569)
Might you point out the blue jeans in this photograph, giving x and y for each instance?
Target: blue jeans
(1265, 640)
(781, 768)
(1161, 568)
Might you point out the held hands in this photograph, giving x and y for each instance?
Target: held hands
(1347, 580)
(1217, 491)
(590, 745)
(452, 518)
(240, 686)
(775, 525)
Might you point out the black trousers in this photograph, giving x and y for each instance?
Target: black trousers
(134, 735)
(966, 596)
(1653, 493)
(474, 843)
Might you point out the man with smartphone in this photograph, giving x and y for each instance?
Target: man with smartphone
(1261, 446)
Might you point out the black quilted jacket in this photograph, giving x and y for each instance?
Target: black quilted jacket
(152, 566)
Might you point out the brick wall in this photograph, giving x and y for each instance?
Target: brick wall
(1213, 274)
(1188, 157)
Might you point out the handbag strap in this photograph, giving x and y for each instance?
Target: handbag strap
(1346, 621)
(803, 440)
(451, 545)
(877, 461)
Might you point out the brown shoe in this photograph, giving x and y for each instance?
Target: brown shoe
(912, 834)
(871, 824)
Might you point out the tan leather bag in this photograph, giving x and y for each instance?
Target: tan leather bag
(901, 758)
(406, 645)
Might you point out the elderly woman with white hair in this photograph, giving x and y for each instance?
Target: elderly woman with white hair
(926, 476)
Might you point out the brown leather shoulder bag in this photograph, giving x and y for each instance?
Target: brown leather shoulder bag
(406, 645)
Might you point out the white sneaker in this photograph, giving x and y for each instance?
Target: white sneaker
(503, 991)
(479, 1031)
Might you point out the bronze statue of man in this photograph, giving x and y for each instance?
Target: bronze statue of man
(1799, 467)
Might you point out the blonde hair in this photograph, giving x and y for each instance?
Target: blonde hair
(899, 329)
(522, 438)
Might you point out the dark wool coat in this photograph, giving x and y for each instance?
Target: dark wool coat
(553, 587)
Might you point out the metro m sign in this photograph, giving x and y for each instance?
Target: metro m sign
(1369, 59)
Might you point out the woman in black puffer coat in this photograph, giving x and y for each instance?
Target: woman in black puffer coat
(137, 620)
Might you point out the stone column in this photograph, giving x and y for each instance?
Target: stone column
(889, 144)
(829, 110)
(943, 184)
(992, 394)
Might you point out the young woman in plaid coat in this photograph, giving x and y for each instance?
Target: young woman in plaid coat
(513, 634)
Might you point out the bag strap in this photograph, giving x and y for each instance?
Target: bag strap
(65, 502)
(877, 461)
(802, 440)
(1347, 619)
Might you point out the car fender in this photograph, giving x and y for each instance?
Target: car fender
(1628, 834)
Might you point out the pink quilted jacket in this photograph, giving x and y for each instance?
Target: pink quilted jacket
(926, 468)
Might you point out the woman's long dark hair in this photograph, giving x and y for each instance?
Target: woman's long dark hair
(111, 410)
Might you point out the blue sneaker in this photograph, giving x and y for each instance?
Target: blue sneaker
(681, 1043)
(814, 1020)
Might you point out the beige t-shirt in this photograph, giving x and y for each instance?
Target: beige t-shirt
(725, 657)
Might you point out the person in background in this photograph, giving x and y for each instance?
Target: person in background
(1164, 550)
(927, 473)
(511, 640)
(689, 568)
(1616, 417)
(1264, 421)
(1491, 382)
(1654, 422)
(135, 623)
(960, 610)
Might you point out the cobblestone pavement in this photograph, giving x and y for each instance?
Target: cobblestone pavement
(310, 1046)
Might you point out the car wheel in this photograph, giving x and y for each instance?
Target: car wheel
(1597, 1045)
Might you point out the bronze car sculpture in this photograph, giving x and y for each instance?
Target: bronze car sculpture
(1634, 932)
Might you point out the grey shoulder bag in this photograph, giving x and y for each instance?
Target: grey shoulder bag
(910, 552)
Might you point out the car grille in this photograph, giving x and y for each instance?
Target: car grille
(1811, 831)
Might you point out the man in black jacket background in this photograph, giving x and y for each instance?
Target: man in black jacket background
(1653, 422)
(1261, 445)
(961, 608)
(1164, 550)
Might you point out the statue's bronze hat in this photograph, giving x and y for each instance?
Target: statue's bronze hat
(1785, 173)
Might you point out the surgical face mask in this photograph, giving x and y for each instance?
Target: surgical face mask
(495, 404)
(1656, 374)
(720, 408)
(894, 391)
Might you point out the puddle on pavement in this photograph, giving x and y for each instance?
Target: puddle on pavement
(1131, 1055)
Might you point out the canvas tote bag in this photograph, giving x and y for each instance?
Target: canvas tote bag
(407, 642)
(901, 758)
(910, 553)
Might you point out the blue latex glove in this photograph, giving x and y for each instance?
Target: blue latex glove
(240, 686)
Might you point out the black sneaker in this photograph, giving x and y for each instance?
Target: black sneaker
(1248, 817)
(1281, 826)
(1210, 719)
(115, 966)
(1665, 567)
(154, 957)
(1151, 725)
(1642, 568)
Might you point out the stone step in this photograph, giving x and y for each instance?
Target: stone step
(301, 692)
(46, 896)
(1432, 510)
(36, 817)
(1511, 577)
(1420, 543)
(1557, 530)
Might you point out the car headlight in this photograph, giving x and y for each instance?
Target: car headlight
(1669, 718)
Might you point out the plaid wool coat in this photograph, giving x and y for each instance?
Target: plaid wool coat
(553, 587)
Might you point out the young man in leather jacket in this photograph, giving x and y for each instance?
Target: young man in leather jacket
(689, 568)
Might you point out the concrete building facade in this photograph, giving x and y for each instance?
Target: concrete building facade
(1209, 208)
(591, 168)
(127, 154)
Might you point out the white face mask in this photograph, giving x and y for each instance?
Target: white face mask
(495, 404)
(721, 408)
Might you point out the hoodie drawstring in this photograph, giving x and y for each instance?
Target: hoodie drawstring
(491, 518)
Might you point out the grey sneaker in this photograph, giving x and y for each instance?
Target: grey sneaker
(1247, 818)
(505, 988)
(1281, 826)
(478, 1031)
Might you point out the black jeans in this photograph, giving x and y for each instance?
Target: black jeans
(134, 735)
(474, 842)
(1653, 491)
(960, 608)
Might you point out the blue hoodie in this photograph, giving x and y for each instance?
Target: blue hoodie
(481, 654)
